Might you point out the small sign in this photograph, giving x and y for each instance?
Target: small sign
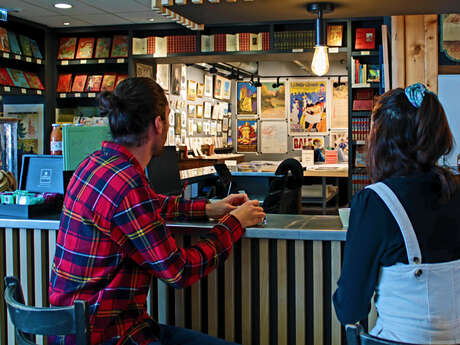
(78, 94)
(39, 92)
(297, 50)
(83, 62)
(91, 94)
(120, 60)
(101, 61)
(17, 57)
(39, 61)
(23, 91)
(365, 52)
(28, 59)
(7, 89)
(6, 55)
(64, 62)
(62, 95)
(333, 50)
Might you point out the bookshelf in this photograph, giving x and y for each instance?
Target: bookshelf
(363, 90)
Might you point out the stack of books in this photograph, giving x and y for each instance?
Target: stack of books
(286, 40)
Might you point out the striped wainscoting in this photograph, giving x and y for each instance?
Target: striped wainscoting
(269, 291)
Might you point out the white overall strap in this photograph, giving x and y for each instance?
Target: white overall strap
(399, 213)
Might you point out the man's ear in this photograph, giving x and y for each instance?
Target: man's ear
(158, 126)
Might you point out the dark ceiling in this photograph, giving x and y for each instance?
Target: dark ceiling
(284, 10)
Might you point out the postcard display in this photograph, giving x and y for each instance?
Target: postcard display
(200, 111)
(310, 112)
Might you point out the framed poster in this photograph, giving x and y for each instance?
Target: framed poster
(307, 107)
(338, 140)
(191, 110)
(449, 40)
(208, 85)
(247, 135)
(207, 110)
(246, 98)
(30, 126)
(162, 77)
(199, 111)
(183, 81)
(226, 89)
(272, 100)
(200, 90)
(339, 111)
(175, 79)
(191, 90)
(218, 87)
(144, 70)
(274, 137)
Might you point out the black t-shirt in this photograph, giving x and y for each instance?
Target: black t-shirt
(374, 238)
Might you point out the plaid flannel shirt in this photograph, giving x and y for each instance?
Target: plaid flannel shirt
(112, 240)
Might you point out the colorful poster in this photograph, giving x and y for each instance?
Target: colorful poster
(175, 79)
(339, 113)
(339, 141)
(450, 39)
(247, 136)
(298, 143)
(307, 107)
(226, 89)
(208, 85)
(246, 98)
(273, 138)
(272, 101)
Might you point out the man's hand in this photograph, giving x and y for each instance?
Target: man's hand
(249, 214)
(225, 206)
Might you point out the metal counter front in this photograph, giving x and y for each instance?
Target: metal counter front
(275, 288)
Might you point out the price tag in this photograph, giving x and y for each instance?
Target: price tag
(17, 57)
(365, 52)
(7, 89)
(91, 94)
(6, 55)
(64, 62)
(101, 61)
(78, 94)
(62, 95)
(83, 62)
(23, 91)
(39, 92)
(39, 61)
(28, 59)
(333, 50)
(120, 60)
(297, 50)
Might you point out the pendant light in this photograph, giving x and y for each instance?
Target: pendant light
(320, 63)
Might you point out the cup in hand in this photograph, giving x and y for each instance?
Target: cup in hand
(344, 214)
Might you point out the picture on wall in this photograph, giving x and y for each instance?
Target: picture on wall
(218, 87)
(208, 85)
(163, 76)
(191, 90)
(307, 106)
(226, 89)
(339, 108)
(272, 101)
(183, 81)
(175, 79)
(273, 138)
(449, 38)
(339, 141)
(207, 110)
(308, 142)
(246, 98)
(200, 90)
(144, 70)
(191, 110)
(199, 111)
(247, 136)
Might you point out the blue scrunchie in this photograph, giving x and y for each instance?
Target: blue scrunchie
(415, 94)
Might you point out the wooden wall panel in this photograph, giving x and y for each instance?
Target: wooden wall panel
(264, 269)
(415, 49)
(282, 291)
(299, 249)
(230, 297)
(246, 277)
(179, 296)
(431, 51)
(398, 53)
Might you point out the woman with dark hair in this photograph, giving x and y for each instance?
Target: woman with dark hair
(112, 239)
(403, 240)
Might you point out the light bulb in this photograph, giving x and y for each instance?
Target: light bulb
(320, 63)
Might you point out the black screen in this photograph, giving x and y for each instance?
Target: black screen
(163, 172)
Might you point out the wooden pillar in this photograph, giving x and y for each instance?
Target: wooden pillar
(431, 52)
(398, 56)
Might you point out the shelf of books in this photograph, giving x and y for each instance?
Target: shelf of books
(366, 85)
(22, 58)
(93, 61)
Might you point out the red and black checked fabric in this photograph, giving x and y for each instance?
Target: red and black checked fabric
(151, 45)
(244, 41)
(112, 240)
(220, 42)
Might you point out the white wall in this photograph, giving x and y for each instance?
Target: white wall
(448, 93)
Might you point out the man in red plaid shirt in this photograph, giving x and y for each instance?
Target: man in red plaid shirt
(112, 237)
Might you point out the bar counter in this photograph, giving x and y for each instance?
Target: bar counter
(275, 287)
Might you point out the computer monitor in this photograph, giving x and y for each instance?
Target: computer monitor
(163, 172)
